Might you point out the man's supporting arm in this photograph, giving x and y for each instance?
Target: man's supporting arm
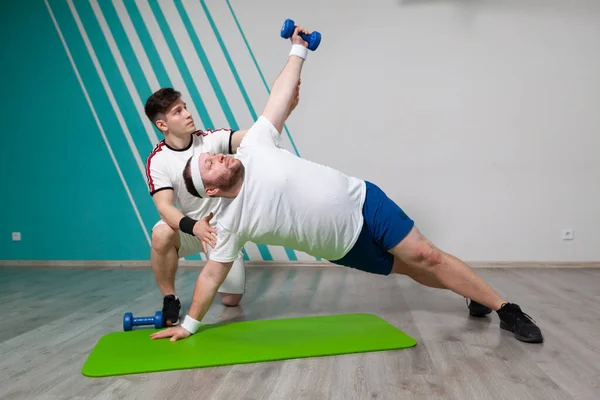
(209, 280)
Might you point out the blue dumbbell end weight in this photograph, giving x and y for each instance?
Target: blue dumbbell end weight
(127, 321)
(287, 29)
(315, 40)
(158, 320)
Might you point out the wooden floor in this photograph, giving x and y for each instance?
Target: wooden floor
(53, 317)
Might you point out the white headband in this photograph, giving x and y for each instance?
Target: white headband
(196, 178)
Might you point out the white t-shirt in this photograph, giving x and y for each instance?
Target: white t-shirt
(288, 201)
(164, 170)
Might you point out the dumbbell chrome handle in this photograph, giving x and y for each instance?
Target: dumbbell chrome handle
(143, 321)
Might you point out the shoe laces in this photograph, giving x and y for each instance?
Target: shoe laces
(520, 313)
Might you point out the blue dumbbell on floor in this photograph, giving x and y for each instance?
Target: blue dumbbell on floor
(129, 321)
(313, 40)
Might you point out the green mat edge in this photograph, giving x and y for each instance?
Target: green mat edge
(412, 343)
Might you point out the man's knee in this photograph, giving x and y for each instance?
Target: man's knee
(163, 237)
(230, 299)
(426, 255)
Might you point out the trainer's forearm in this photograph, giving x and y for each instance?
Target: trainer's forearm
(171, 215)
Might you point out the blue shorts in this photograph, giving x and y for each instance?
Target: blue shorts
(384, 226)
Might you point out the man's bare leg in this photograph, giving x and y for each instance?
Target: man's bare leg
(164, 258)
(444, 270)
(230, 299)
(419, 275)
(428, 264)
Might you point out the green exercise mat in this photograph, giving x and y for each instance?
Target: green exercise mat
(121, 353)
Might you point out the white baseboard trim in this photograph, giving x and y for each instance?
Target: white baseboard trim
(317, 264)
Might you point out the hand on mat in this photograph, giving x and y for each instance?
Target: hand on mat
(204, 232)
(174, 333)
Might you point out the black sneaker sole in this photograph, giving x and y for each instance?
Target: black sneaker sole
(480, 314)
(479, 310)
(535, 339)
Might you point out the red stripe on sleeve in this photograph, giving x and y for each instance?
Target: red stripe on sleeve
(156, 150)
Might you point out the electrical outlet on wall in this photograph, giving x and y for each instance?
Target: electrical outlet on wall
(568, 234)
(16, 236)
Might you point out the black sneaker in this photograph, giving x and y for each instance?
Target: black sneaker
(171, 307)
(478, 310)
(522, 325)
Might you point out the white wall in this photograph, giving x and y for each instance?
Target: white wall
(480, 118)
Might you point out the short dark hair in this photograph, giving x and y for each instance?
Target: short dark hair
(187, 178)
(159, 102)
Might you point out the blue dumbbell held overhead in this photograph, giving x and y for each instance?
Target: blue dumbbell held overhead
(313, 40)
(129, 321)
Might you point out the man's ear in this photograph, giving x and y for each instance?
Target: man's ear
(161, 124)
(211, 191)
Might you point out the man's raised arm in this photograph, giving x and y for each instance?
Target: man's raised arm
(284, 90)
(237, 137)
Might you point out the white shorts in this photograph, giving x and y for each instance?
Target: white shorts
(234, 283)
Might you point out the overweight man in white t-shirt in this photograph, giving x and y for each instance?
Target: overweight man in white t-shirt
(274, 197)
(184, 228)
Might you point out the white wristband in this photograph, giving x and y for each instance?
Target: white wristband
(299, 50)
(190, 324)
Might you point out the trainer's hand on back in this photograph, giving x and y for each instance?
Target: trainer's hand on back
(174, 333)
(204, 232)
(297, 39)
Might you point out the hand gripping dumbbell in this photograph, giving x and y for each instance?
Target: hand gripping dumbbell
(313, 40)
(129, 321)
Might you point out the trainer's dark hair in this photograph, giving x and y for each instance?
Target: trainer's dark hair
(157, 104)
(187, 178)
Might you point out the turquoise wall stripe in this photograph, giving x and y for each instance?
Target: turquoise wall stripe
(105, 112)
(126, 50)
(107, 117)
(264, 250)
(135, 180)
(181, 65)
(210, 73)
(147, 43)
(259, 70)
(55, 201)
(236, 76)
(109, 66)
(291, 254)
(248, 46)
